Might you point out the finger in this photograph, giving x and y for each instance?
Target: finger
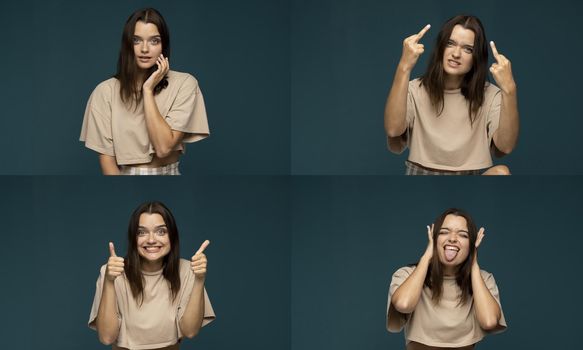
(111, 249)
(495, 51)
(423, 31)
(203, 246)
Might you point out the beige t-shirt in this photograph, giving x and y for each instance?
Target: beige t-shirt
(155, 323)
(112, 128)
(449, 141)
(446, 324)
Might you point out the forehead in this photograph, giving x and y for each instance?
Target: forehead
(143, 29)
(151, 220)
(455, 222)
(462, 35)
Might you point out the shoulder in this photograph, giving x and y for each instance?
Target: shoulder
(490, 90)
(415, 84)
(487, 276)
(182, 79)
(404, 271)
(105, 88)
(184, 265)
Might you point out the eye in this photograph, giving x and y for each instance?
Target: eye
(161, 232)
(443, 232)
(450, 43)
(464, 235)
(141, 233)
(136, 40)
(155, 41)
(468, 49)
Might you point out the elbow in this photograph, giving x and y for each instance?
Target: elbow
(403, 307)
(191, 334)
(394, 131)
(106, 339)
(489, 324)
(163, 153)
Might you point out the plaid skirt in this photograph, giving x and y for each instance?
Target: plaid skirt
(416, 169)
(170, 169)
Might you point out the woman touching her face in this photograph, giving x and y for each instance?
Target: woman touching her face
(445, 300)
(138, 120)
(151, 299)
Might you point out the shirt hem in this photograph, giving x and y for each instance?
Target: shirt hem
(101, 150)
(445, 345)
(147, 346)
(438, 167)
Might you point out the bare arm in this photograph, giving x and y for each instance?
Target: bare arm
(506, 136)
(106, 322)
(487, 308)
(396, 105)
(191, 320)
(108, 165)
(161, 135)
(407, 296)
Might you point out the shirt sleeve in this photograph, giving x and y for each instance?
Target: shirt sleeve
(396, 320)
(96, 129)
(97, 300)
(188, 113)
(209, 313)
(493, 117)
(493, 288)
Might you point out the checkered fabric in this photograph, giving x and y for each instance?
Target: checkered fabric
(416, 169)
(170, 169)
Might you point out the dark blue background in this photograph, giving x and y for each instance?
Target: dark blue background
(349, 234)
(56, 52)
(345, 52)
(56, 231)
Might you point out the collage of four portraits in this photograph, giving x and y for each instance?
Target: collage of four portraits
(324, 174)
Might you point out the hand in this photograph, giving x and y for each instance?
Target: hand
(412, 49)
(158, 75)
(198, 261)
(502, 71)
(478, 241)
(114, 265)
(429, 251)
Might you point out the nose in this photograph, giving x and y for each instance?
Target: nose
(151, 238)
(457, 52)
(144, 47)
(452, 238)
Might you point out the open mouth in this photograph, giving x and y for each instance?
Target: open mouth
(143, 58)
(152, 249)
(453, 63)
(451, 252)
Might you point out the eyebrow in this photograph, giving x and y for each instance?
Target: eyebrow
(466, 45)
(154, 36)
(445, 228)
(159, 226)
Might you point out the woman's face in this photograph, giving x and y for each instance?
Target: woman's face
(147, 44)
(457, 56)
(453, 241)
(153, 240)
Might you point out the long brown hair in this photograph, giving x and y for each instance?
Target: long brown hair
(434, 276)
(474, 81)
(127, 70)
(133, 267)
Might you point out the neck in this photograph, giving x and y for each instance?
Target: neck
(453, 82)
(450, 270)
(151, 266)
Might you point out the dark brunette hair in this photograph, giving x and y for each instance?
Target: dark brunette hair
(474, 81)
(127, 70)
(133, 266)
(434, 276)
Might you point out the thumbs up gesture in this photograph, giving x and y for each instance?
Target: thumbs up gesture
(198, 261)
(114, 264)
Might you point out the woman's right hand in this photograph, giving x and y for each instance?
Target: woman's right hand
(429, 251)
(114, 265)
(412, 49)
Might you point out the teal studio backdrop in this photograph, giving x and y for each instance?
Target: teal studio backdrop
(56, 234)
(345, 52)
(56, 52)
(349, 234)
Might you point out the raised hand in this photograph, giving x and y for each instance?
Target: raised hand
(198, 262)
(114, 264)
(502, 71)
(429, 250)
(478, 242)
(158, 74)
(412, 49)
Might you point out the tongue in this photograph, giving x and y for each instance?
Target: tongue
(450, 254)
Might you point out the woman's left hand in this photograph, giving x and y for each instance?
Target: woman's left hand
(198, 262)
(158, 75)
(478, 241)
(502, 71)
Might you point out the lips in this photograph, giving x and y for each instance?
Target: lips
(453, 63)
(451, 252)
(144, 58)
(152, 249)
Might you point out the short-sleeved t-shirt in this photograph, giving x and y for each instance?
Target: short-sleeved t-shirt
(113, 128)
(449, 141)
(446, 324)
(156, 322)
